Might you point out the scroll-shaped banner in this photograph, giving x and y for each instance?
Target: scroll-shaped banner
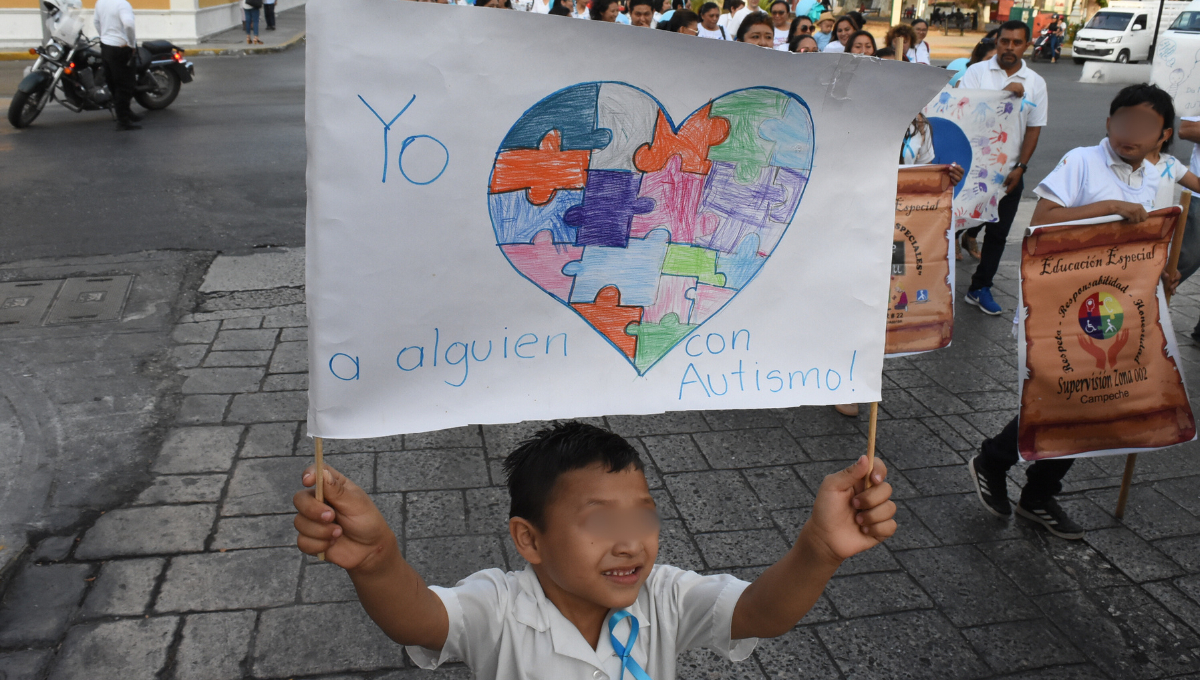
(1098, 350)
(981, 131)
(921, 304)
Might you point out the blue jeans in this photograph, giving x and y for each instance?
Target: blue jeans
(1055, 41)
(252, 21)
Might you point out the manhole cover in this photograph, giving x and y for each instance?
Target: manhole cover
(24, 303)
(90, 299)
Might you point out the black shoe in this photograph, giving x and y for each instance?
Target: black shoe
(127, 125)
(270, 28)
(992, 489)
(1196, 333)
(1049, 514)
(134, 118)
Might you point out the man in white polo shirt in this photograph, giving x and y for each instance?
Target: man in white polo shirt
(114, 23)
(1007, 71)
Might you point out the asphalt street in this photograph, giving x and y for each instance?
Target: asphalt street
(222, 169)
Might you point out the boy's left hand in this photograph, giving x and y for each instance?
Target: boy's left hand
(848, 518)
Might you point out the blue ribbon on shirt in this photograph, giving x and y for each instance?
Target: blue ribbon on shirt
(626, 651)
(1170, 164)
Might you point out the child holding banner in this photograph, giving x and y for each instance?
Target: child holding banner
(582, 515)
(1112, 178)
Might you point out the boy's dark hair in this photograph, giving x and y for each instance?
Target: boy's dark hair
(1156, 97)
(534, 467)
(708, 6)
(634, 3)
(1015, 25)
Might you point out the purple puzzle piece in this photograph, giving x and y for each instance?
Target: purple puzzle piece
(743, 208)
(610, 200)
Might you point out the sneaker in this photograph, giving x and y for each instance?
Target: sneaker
(992, 489)
(1049, 514)
(982, 299)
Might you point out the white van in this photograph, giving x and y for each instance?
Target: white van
(1123, 31)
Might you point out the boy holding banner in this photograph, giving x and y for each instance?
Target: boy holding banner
(583, 517)
(1112, 178)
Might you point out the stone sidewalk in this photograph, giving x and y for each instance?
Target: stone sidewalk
(196, 578)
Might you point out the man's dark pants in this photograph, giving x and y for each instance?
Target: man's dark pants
(269, 13)
(995, 236)
(1044, 478)
(120, 78)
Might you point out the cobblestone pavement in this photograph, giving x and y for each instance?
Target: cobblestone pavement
(196, 578)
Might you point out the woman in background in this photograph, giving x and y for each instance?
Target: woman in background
(842, 30)
(757, 29)
(861, 42)
(802, 44)
(919, 53)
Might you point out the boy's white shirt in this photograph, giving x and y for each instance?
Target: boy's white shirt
(1169, 171)
(502, 626)
(1090, 174)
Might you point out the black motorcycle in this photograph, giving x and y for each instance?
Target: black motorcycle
(69, 69)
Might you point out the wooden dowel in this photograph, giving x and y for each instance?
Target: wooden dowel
(1126, 481)
(320, 472)
(871, 441)
(1177, 237)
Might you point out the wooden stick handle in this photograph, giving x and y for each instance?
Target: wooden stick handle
(1126, 482)
(871, 441)
(320, 472)
(1177, 238)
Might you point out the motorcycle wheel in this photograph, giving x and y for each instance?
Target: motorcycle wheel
(26, 106)
(166, 88)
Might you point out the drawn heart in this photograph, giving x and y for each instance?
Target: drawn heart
(644, 228)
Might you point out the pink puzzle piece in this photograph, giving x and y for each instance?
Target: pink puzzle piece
(542, 262)
(706, 300)
(676, 197)
(672, 298)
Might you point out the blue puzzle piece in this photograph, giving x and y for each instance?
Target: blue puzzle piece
(571, 111)
(741, 266)
(634, 270)
(610, 200)
(516, 220)
(742, 208)
(793, 137)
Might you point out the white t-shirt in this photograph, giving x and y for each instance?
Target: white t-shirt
(716, 34)
(503, 627)
(735, 21)
(1194, 166)
(1035, 106)
(1090, 174)
(781, 39)
(1169, 171)
(920, 53)
(114, 23)
(917, 148)
(834, 46)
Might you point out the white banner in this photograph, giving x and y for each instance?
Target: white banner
(530, 217)
(1175, 70)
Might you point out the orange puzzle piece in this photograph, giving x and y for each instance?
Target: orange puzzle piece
(691, 143)
(542, 171)
(608, 316)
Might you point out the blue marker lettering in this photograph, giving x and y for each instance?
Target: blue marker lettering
(420, 358)
(387, 126)
(522, 342)
(776, 377)
(714, 390)
(485, 357)
(336, 374)
(691, 368)
(735, 337)
(687, 346)
(461, 360)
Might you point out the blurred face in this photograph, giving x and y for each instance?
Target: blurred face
(805, 27)
(825, 26)
(641, 15)
(1135, 131)
(610, 14)
(1009, 48)
(806, 44)
(844, 29)
(710, 18)
(690, 29)
(600, 540)
(862, 45)
(780, 16)
(922, 31)
(761, 35)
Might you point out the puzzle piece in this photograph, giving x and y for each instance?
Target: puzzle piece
(671, 298)
(746, 111)
(676, 197)
(516, 220)
(542, 262)
(706, 301)
(542, 171)
(654, 340)
(687, 260)
(793, 137)
(792, 182)
(610, 317)
(629, 114)
(691, 143)
(742, 208)
(610, 201)
(741, 266)
(571, 111)
(633, 269)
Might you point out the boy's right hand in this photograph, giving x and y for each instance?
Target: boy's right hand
(1132, 212)
(347, 527)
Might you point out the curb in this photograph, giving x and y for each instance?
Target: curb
(193, 51)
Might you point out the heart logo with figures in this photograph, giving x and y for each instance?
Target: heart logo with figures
(644, 228)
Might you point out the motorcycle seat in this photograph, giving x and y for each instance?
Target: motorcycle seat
(158, 46)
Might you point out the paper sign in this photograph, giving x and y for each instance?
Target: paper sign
(1098, 350)
(981, 131)
(499, 232)
(1174, 69)
(921, 306)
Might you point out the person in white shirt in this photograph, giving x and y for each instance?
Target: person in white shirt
(1007, 71)
(1112, 178)
(843, 28)
(919, 54)
(737, 17)
(115, 25)
(592, 603)
(710, 14)
(781, 16)
(1170, 171)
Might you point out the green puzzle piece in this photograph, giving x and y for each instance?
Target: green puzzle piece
(656, 339)
(683, 260)
(746, 111)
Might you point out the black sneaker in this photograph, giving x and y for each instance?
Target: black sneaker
(1049, 514)
(992, 489)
